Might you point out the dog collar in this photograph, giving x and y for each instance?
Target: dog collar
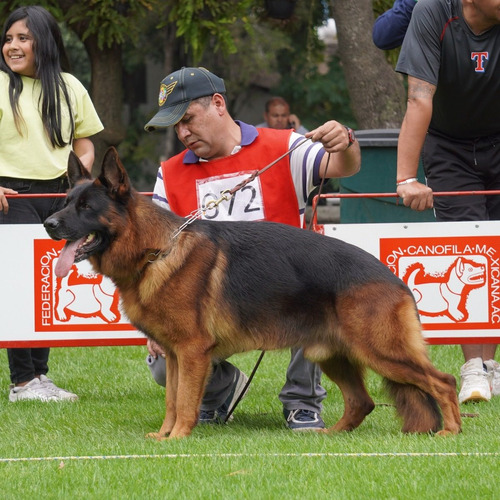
(152, 255)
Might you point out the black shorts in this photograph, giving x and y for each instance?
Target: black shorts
(463, 165)
(32, 210)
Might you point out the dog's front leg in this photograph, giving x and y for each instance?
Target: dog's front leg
(170, 398)
(194, 369)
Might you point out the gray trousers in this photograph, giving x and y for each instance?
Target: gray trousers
(302, 387)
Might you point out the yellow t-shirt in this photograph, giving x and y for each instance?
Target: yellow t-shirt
(31, 155)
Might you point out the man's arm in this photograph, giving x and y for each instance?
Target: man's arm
(159, 194)
(411, 140)
(390, 28)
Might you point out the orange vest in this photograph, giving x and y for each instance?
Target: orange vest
(271, 196)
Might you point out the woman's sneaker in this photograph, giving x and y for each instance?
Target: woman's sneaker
(33, 390)
(62, 394)
(493, 373)
(475, 385)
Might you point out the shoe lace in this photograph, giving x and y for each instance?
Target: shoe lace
(302, 415)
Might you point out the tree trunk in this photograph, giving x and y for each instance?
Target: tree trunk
(105, 86)
(378, 97)
(107, 94)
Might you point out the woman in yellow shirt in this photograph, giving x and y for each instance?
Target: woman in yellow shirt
(44, 114)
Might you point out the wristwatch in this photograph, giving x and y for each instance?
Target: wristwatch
(352, 137)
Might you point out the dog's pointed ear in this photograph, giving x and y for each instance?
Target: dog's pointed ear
(76, 171)
(113, 173)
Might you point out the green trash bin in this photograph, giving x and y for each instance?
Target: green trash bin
(378, 175)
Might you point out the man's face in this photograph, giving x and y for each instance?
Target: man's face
(196, 129)
(488, 11)
(278, 116)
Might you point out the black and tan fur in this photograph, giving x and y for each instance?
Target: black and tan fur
(220, 288)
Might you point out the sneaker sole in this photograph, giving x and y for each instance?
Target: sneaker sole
(475, 397)
(306, 429)
(20, 400)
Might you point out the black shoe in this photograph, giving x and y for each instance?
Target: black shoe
(239, 383)
(303, 420)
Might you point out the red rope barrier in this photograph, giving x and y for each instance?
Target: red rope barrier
(393, 195)
(329, 195)
(49, 195)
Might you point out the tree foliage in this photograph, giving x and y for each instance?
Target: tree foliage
(199, 22)
(111, 21)
(238, 40)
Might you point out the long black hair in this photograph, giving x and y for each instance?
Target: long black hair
(50, 60)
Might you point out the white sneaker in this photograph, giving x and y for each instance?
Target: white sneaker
(475, 385)
(493, 369)
(62, 394)
(33, 390)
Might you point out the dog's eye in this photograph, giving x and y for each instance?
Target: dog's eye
(83, 205)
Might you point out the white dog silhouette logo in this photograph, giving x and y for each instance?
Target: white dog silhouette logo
(85, 294)
(446, 294)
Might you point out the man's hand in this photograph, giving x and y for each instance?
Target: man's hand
(333, 135)
(155, 349)
(4, 205)
(294, 121)
(416, 195)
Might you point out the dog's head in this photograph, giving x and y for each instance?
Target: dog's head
(92, 210)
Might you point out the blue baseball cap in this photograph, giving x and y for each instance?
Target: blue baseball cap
(178, 89)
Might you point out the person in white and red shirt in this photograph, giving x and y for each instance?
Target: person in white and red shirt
(220, 153)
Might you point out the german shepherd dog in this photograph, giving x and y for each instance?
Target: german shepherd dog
(218, 288)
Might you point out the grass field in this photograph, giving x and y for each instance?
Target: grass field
(95, 448)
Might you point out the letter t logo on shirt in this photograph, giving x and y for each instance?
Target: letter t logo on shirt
(479, 57)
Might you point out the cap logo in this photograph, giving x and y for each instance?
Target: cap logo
(165, 91)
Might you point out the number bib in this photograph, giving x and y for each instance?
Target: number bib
(271, 196)
(246, 204)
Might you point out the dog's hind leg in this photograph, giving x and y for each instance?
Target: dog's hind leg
(419, 398)
(419, 389)
(417, 386)
(388, 339)
(357, 401)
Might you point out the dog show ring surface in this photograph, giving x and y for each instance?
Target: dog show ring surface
(453, 270)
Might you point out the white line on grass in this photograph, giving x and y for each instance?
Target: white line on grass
(255, 455)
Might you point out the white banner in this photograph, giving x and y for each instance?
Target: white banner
(452, 269)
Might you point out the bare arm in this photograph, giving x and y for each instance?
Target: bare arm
(411, 140)
(4, 205)
(84, 149)
(345, 161)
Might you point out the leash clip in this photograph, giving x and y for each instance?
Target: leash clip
(152, 256)
(226, 195)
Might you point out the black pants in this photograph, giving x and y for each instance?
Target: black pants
(463, 165)
(26, 363)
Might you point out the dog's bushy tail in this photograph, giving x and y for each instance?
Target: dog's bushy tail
(418, 410)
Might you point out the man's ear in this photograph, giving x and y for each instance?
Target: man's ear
(220, 103)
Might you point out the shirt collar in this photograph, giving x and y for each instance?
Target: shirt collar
(248, 135)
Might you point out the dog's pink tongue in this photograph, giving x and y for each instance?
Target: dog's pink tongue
(67, 258)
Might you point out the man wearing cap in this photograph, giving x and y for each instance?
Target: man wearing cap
(220, 153)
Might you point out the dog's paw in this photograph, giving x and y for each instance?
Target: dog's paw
(446, 433)
(157, 436)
